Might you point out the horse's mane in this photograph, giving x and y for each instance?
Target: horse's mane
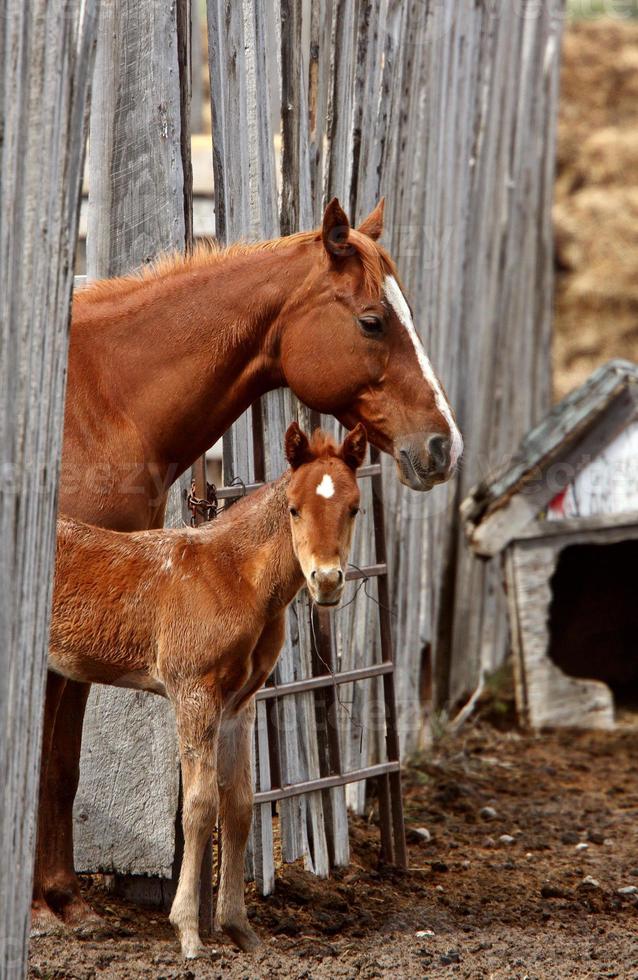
(376, 263)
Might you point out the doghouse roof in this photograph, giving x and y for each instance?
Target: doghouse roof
(575, 431)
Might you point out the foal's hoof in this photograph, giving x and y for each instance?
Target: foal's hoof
(243, 936)
(195, 950)
(44, 922)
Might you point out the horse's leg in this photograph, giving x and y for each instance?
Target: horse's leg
(44, 921)
(236, 809)
(198, 728)
(57, 877)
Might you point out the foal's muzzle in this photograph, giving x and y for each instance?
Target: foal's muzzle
(326, 585)
(424, 461)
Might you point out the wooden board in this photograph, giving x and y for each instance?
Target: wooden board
(488, 290)
(44, 86)
(574, 433)
(125, 809)
(607, 486)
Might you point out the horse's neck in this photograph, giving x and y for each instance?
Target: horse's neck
(255, 539)
(203, 334)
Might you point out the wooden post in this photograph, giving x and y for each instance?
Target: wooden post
(140, 201)
(44, 87)
(245, 207)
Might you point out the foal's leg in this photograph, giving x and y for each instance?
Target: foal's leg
(234, 778)
(236, 787)
(198, 729)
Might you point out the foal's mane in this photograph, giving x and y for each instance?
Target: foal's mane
(322, 445)
(375, 260)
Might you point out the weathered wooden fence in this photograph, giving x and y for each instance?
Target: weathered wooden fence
(47, 50)
(448, 109)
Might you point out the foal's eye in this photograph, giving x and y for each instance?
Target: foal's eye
(354, 511)
(294, 512)
(371, 324)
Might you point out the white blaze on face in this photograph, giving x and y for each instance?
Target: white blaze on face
(326, 488)
(397, 301)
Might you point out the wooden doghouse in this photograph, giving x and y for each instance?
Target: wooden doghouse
(563, 514)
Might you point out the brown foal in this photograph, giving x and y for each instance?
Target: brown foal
(198, 616)
(161, 364)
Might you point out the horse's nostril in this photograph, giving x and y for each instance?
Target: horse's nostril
(339, 577)
(439, 448)
(313, 575)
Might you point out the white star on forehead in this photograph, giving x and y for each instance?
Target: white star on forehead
(326, 488)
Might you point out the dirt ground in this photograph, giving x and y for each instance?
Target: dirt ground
(486, 906)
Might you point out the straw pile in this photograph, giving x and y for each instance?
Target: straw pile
(596, 208)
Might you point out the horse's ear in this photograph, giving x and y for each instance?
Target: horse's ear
(353, 447)
(372, 226)
(335, 230)
(296, 446)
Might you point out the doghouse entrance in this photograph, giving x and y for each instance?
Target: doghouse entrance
(593, 616)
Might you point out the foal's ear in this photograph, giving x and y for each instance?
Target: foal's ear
(296, 446)
(353, 447)
(335, 230)
(372, 226)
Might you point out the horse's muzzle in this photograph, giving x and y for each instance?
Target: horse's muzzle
(326, 585)
(423, 462)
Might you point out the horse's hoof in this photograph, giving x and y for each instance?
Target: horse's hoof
(95, 927)
(44, 922)
(87, 924)
(243, 936)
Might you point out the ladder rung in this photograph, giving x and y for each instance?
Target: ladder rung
(325, 782)
(230, 493)
(324, 680)
(368, 571)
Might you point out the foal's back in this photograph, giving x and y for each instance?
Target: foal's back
(121, 599)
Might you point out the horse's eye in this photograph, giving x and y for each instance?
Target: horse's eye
(354, 511)
(294, 512)
(371, 325)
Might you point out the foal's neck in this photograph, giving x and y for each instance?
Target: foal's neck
(255, 538)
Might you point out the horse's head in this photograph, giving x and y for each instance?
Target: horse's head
(349, 348)
(323, 498)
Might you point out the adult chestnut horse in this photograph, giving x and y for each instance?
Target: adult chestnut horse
(162, 363)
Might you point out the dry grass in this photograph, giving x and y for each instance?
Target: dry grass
(596, 209)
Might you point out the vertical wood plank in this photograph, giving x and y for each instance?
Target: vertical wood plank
(44, 80)
(138, 208)
(245, 207)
